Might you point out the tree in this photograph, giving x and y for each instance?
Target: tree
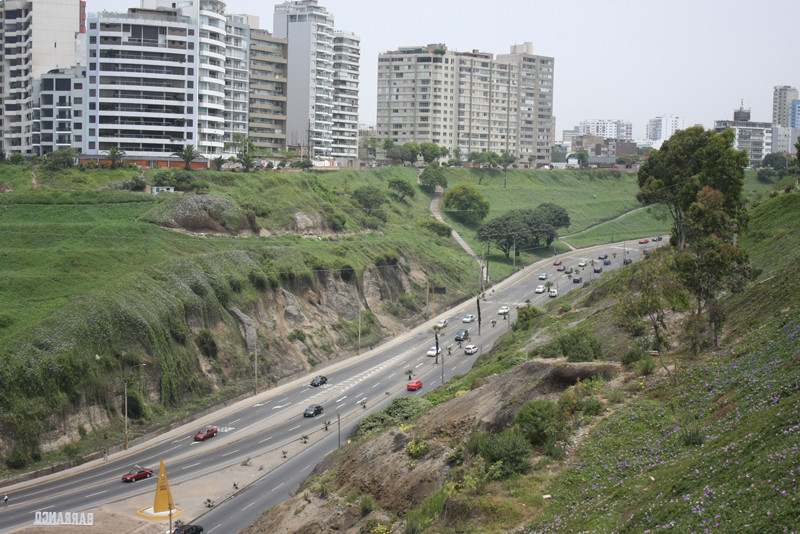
(582, 156)
(767, 175)
(402, 187)
(394, 153)
(430, 152)
(525, 227)
(115, 154)
(187, 154)
(370, 144)
(505, 232)
(218, 162)
(411, 152)
(387, 144)
(444, 152)
(63, 158)
(467, 204)
(432, 177)
(553, 214)
(247, 160)
(506, 159)
(687, 161)
(457, 154)
(775, 161)
(369, 196)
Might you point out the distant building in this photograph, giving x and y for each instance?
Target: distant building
(470, 101)
(586, 142)
(794, 114)
(59, 111)
(609, 129)
(267, 99)
(661, 128)
(784, 139)
(782, 97)
(755, 137)
(346, 56)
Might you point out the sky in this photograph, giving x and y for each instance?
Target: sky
(614, 59)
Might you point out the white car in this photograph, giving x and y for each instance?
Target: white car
(540, 288)
(582, 263)
(503, 310)
(433, 352)
(553, 293)
(543, 276)
(441, 324)
(468, 318)
(470, 349)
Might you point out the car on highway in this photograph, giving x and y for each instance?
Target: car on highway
(503, 310)
(462, 335)
(543, 276)
(582, 263)
(414, 385)
(441, 324)
(627, 261)
(319, 381)
(137, 473)
(577, 280)
(540, 288)
(557, 262)
(658, 238)
(433, 351)
(602, 257)
(205, 433)
(644, 241)
(568, 270)
(598, 269)
(553, 293)
(470, 349)
(468, 318)
(561, 268)
(188, 529)
(313, 410)
(606, 262)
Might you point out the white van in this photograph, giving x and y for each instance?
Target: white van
(553, 293)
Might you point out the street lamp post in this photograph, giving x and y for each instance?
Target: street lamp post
(125, 384)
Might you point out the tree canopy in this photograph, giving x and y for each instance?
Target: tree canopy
(525, 227)
(687, 161)
(431, 177)
(187, 154)
(775, 161)
(402, 187)
(466, 204)
(369, 196)
(430, 152)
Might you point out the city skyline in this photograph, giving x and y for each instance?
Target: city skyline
(619, 60)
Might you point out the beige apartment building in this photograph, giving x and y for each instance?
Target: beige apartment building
(469, 101)
(268, 68)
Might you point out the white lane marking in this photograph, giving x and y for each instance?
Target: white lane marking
(227, 453)
(276, 487)
(255, 406)
(306, 467)
(248, 506)
(172, 449)
(233, 421)
(391, 375)
(98, 493)
(340, 400)
(294, 428)
(278, 407)
(376, 385)
(193, 465)
(419, 365)
(339, 405)
(46, 507)
(263, 440)
(362, 400)
(178, 440)
(215, 528)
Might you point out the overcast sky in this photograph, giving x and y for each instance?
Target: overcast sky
(614, 59)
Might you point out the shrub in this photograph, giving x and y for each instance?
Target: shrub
(206, 343)
(593, 406)
(692, 436)
(526, 316)
(258, 280)
(336, 221)
(369, 196)
(578, 345)
(509, 451)
(541, 420)
(371, 222)
(417, 448)
(632, 356)
(457, 457)
(436, 227)
(296, 334)
(366, 505)
(647, 365)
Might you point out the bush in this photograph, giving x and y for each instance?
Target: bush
(541, 420)
(691, 436)
(417, 448)
(593, 406)
(632, 356)
(296, 334)
(435, 227)
(369, 196)
(336, 221)
(366, 505)
(578, 345)
(507, 452)
(647, 365)
(206, 343)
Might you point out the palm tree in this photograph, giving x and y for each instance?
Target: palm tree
(187, 155)
(218, 162)
(247, 160)
(116, 154)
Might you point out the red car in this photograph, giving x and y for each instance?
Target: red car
(414, 385)
(561, 268)
(205, 433)
(644, 241)
(557, 262)
(136, 473)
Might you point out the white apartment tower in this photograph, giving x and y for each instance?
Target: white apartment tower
(663, 127)
(140, 83)
(237, 74)
(209, 60)
(36, 38)
(755, 137)
(468, 100)
(346, 53)
(308, 28)
(608, 129)
(782, 97)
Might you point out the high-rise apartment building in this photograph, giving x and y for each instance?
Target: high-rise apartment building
(309, 30)
(267, 105)
(237, 74)
(59, 111)
(782, 97)
(755, 137)
(608, 129)
(36, 37)
(468, 101)
(344, 134)
(141, 93)
(794, 114)
(663, 127)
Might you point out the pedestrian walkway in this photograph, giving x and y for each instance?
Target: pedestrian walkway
(436, 211)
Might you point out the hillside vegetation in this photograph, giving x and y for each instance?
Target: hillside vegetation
(105, 284)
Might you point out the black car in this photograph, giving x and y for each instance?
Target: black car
(568, 270)
(313, 410)
(462, 335)
(319, 380)
(606, 262)
(188, 529)
(627, 261)
(602, 257)
(577, 280)
(598, 269)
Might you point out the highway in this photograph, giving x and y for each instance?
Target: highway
(274, 418)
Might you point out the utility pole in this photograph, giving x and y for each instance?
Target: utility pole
(359, 331)
(339, 423)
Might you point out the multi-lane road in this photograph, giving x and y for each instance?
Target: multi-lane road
(273, 419)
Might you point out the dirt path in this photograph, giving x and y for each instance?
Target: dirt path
(34, 180)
